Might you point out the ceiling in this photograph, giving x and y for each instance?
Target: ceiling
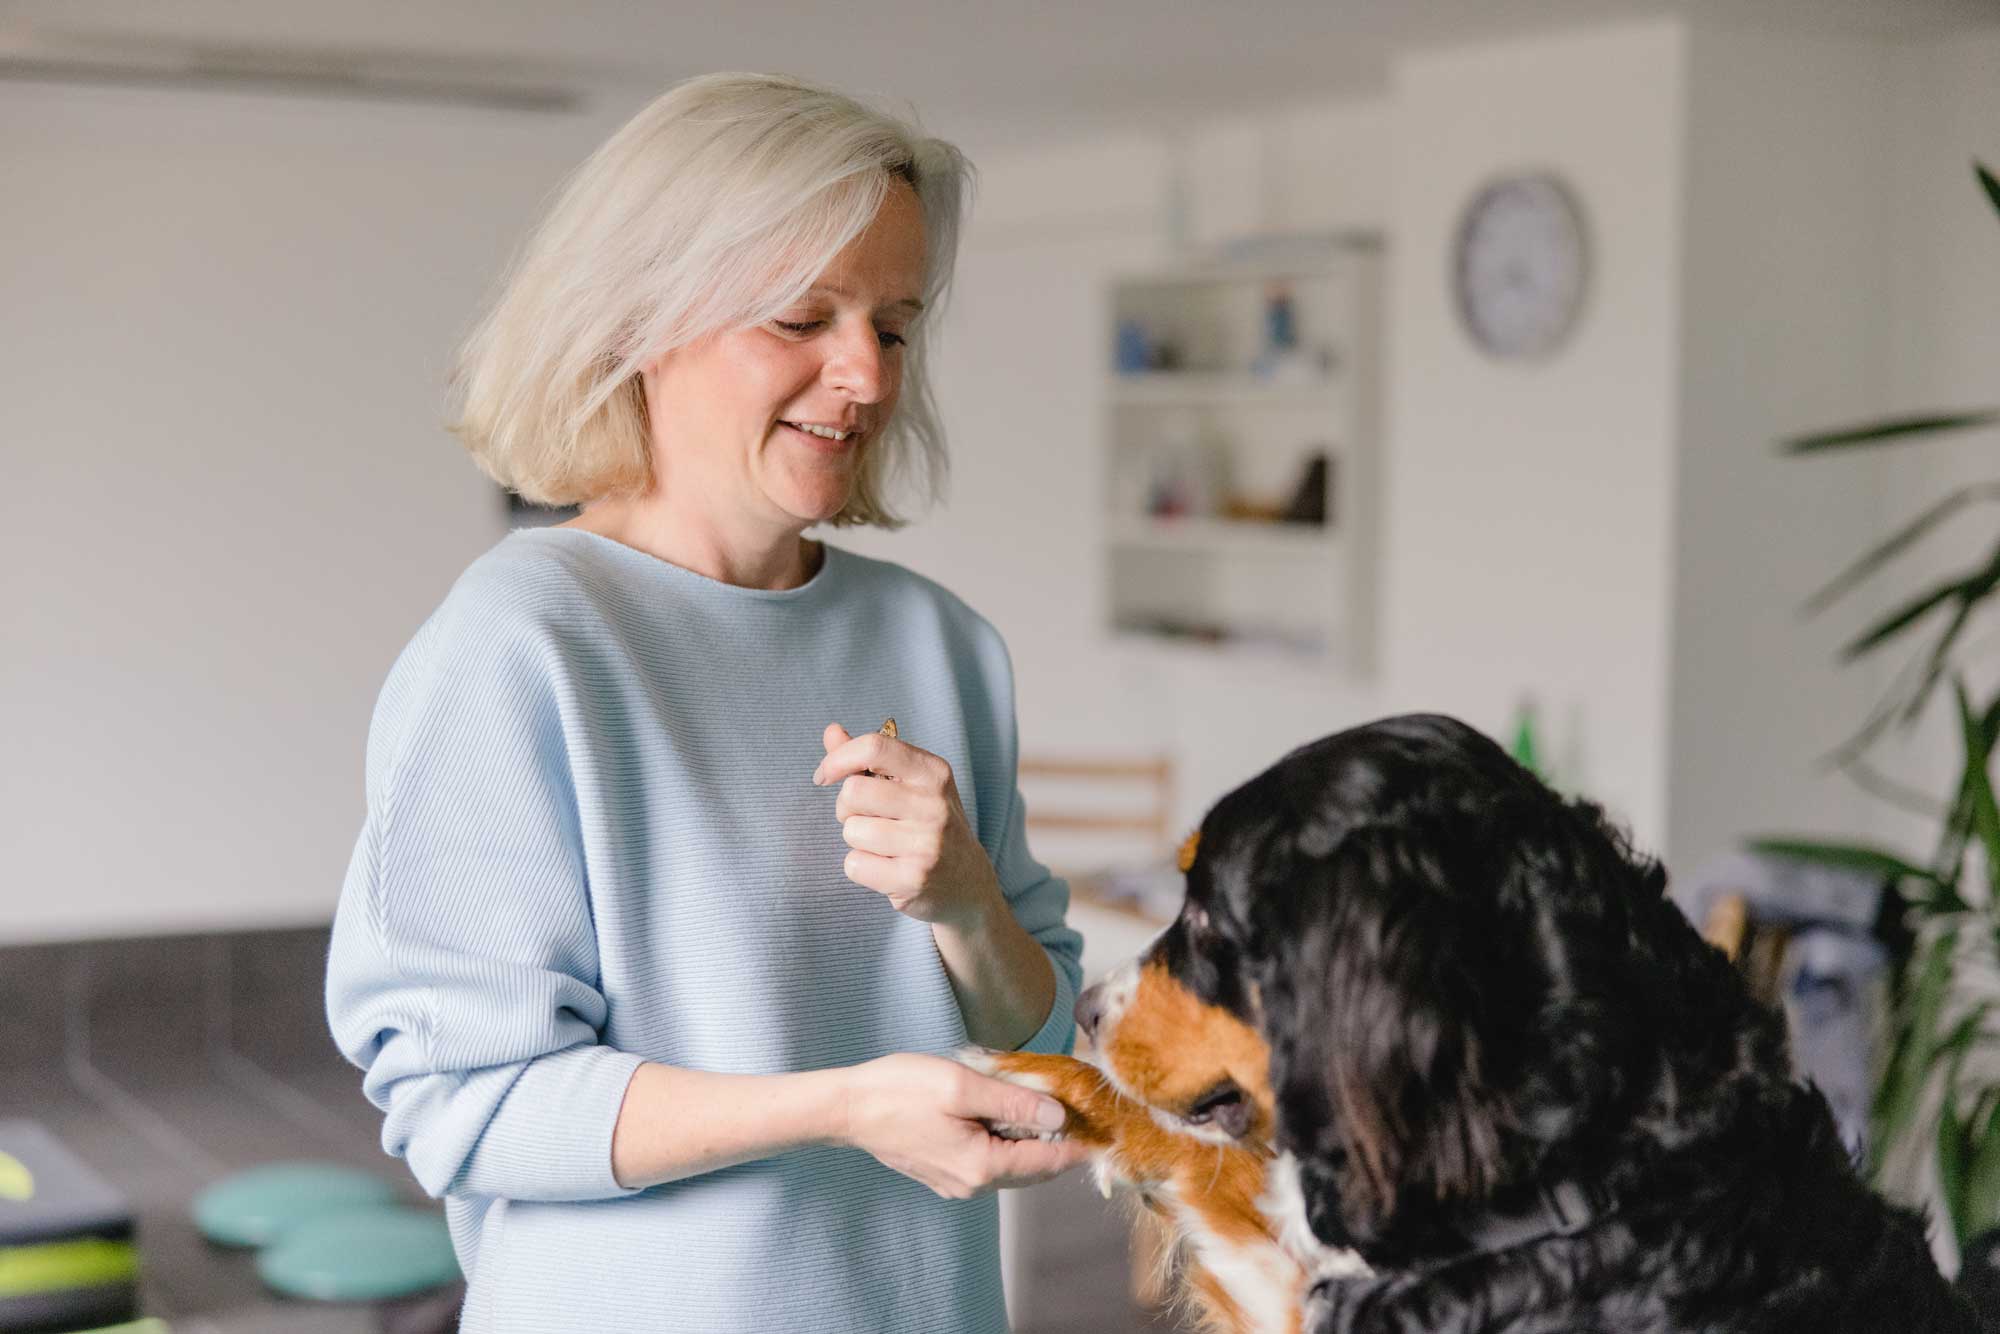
(984, 72)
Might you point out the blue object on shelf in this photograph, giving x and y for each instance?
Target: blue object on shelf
(361, 1254)
(253, 1208)
(1133, 355)
(1281, 330)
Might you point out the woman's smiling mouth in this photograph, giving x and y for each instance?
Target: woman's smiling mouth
(833, 439)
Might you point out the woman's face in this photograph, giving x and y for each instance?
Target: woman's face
(730, 412)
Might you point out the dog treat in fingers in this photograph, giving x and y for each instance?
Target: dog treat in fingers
(888, 729)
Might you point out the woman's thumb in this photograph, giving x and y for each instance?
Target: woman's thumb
(1012, 1105)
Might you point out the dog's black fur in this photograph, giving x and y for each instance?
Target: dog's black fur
(1472, 990)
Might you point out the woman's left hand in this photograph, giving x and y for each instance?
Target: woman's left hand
(910, 841)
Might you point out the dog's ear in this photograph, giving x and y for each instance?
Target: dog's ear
(1380, 1069)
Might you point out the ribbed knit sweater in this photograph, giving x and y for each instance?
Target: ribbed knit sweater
(592, 840)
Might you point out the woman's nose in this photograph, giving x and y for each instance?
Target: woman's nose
(1089, 1009)
(854, 365)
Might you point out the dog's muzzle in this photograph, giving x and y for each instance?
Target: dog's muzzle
(1102, 1005)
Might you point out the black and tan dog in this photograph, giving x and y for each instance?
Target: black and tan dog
(1458, 1065)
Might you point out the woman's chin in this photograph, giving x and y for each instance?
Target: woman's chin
(818, 496)
(810, 509)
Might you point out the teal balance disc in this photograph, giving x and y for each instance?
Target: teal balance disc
(361, 1255)
(253, 1208)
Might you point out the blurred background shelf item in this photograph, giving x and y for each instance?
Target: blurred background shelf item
(1240, 448)
(1238, 537)
(1152, 389)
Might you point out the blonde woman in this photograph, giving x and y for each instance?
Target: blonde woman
(652, 943)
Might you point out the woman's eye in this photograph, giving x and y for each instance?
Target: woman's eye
(888, 339)
(798, 326)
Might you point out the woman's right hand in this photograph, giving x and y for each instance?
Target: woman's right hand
(921, 1116)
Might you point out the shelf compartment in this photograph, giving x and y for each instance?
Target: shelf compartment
(1161, 389)
(1225, 537)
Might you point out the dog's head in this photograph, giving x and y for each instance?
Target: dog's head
(1462, 979)
(1172, 1031)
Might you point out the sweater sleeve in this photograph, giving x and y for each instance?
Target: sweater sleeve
(1040, 900)
(463, 976)
(1041, 905)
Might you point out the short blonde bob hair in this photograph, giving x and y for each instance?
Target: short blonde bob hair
(714, 208)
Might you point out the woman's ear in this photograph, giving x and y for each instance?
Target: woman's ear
(1380, 1073)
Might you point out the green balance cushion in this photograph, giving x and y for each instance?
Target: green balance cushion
(67, 1257)
(361, 1255)
(252, 1208)
(146, 1326)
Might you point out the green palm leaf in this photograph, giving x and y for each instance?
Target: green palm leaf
(1908, 1073)
(1985, 814)
(1890, 430)
(1899, 542)
(1939, 657)
(1956, 1154)
(1952, 1155)
(1982, 1184)
(1959, 821)
(1968, 589)
(1846, 856)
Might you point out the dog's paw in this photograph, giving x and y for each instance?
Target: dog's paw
(998, 1065)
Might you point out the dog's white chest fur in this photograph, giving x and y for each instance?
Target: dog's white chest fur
(1284, 1203)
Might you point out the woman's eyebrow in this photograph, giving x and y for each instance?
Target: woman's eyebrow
(908, 303)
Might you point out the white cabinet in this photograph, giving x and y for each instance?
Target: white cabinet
(1240, 454)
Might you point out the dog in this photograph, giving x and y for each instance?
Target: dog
(1483, 1075)
(1179, 1112)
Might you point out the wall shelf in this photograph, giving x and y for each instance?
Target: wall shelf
(1214, 426)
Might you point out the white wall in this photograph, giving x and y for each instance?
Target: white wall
(1781, 332)
(1529, 505)
(230, 500)
(221, 381)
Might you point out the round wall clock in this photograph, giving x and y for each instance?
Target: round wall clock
(1519, 266)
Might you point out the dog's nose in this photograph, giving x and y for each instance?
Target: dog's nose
(1089, 1008)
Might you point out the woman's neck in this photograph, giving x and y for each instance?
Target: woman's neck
(773, 559)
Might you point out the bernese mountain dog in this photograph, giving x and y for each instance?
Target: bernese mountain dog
(1428, 1049)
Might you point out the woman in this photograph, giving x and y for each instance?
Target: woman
(651, 941)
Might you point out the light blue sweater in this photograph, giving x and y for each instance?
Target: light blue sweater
(593, 840)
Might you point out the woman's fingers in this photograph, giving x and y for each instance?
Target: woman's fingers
(890, 838)
(873, 752)
(1023, 1162)
(895, 877)
(982, 1098)
(861, 795)
(922, 1115)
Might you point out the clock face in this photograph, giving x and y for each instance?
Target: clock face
(1518, 270)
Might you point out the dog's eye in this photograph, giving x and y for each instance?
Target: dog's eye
(1197, 917)
(1221, 1095)
(1223, 1106)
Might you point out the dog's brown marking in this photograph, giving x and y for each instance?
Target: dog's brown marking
(1206, 1193)
(1170, 1050)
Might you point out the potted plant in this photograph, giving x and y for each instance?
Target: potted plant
(1930, 1096)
